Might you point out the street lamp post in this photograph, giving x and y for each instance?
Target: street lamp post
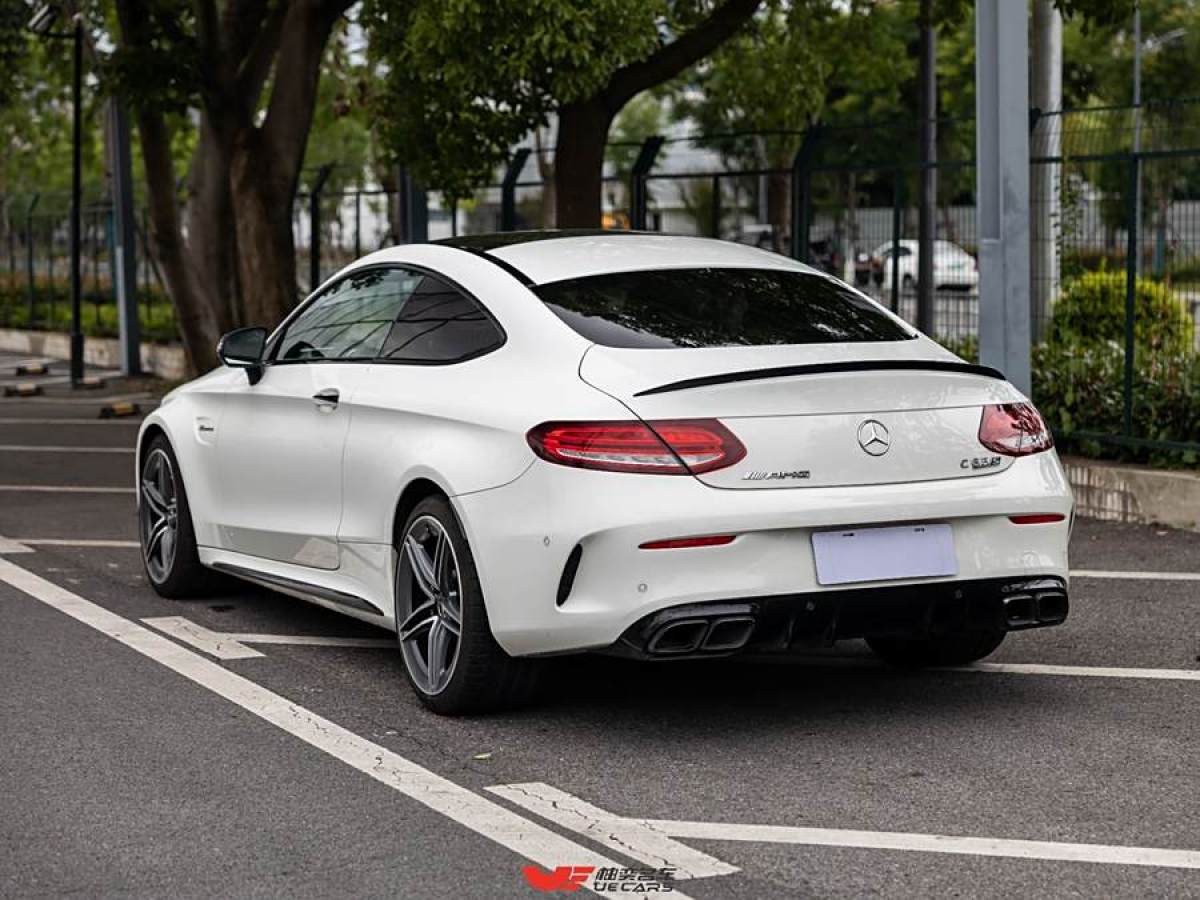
(41, 23)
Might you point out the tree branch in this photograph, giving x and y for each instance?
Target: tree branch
(304, 34)
(671, 59)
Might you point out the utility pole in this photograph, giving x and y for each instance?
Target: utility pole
(927, 221)
(1045, 176)
(124, 250)
(1002, 174)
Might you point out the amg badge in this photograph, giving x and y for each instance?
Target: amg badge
(777, 476)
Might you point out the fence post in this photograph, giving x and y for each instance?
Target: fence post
(508, 189)
(639, 196)
(412, 211)
(802, 191)
(716, 206)
(357, 222)
(897, 204)
(1131, 267)
(33, 202)
(314, 226)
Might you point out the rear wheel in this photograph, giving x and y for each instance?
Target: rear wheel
(451, 659)
(168, 542)
(944, 650)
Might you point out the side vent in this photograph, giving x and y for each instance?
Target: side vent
(568, 575)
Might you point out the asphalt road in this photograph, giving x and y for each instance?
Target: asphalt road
(133, 761)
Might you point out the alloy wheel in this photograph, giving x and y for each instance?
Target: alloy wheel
(158, 515)
(431, 630)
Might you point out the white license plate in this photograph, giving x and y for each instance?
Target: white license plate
(880, 554)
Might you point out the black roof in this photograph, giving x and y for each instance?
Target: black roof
(497, 240)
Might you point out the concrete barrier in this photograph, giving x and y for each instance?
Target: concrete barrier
(1119, 492)
(164, 360)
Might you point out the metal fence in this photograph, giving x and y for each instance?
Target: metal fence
(1115, 248)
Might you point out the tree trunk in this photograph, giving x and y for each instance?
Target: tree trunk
(264, 222)
(579, 163)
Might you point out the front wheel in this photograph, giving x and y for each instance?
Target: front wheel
(169, 552)
(450, 658)
(944, 650)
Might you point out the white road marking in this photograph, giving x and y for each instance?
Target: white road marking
(224, 645)
(65, 489)
(1135, 576)
(50, 448)
(9, 546)
(931, 843)
(71, 542)
(986, 668)
(473, 811)
(221, 646)
(22, 421)
(1078, 671)
(316, 640)
(632, 837)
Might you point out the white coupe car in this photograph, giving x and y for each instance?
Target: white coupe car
(954, 269)
(505, 447)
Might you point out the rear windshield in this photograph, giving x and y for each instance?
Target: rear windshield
(717, 308)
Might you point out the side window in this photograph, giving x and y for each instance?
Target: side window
(440, 324)
(351, 319)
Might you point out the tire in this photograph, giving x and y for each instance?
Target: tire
(948, 650)
(469, 673)
(169, 555)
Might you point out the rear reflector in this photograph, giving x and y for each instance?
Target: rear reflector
(712, 540)
(1036, 518)
(1014, 429)
(665, 447)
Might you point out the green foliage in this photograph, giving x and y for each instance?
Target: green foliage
(467, 79)
(1080, 388)
(52, 312)
(1091, 311)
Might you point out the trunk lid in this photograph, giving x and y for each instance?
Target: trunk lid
(818, 415)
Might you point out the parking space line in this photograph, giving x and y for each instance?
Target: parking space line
(106, 422)
(224, 645)
(931, 843)
(51, 448)
(474, 811)
(634, 838)
(1078, 671)
(986, 668)
(9, 546)
(220, 646)
(65, 489)
(1135, 575)
(71, 542)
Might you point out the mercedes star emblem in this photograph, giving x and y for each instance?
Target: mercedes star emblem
(873, 437)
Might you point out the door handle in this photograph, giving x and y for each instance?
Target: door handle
(326, 399)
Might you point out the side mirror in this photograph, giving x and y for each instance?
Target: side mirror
(243, 348)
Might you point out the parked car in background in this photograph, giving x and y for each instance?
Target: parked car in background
(953, 267)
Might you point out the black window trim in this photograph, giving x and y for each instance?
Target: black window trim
(270, 356)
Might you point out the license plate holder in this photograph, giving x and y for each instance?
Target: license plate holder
(855, 555)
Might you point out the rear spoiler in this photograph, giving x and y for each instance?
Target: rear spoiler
(880, 365)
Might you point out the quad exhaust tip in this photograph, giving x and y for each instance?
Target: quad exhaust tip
(719, 634)
(1032, 608)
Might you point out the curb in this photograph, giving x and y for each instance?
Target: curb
(164, 360)
(1136, 494)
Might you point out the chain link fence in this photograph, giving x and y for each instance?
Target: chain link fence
(1115, 244)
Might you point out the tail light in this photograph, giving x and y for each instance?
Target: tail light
(711, 540)
(674, 447)
(1014, 429)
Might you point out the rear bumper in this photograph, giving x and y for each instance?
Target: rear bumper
(523, 534)
(784, 623)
